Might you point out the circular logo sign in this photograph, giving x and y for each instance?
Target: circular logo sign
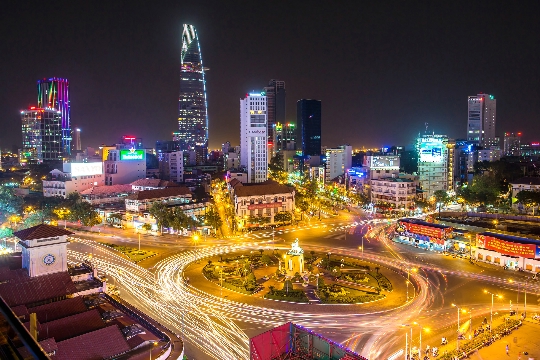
(48, 259)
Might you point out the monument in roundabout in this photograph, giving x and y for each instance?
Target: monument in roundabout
(294, 260)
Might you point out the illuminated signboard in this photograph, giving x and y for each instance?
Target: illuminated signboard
(529, 251)
(431, 150)
(132, 154)
(86, 169)
(431, 232)
(384, 162)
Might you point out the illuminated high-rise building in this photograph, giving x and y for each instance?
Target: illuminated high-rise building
(253, 137)
(76, 141)
(275, 96)
(41, 136)
(53, 94)
(192, 105)
(481, 120)
(308, 122)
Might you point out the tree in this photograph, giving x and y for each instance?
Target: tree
(441, 198)
(213, 219)
(529, 198)
(114, 218)
(320, 282)
(146, 227)
(283, 217)
(160, 212)
(84, 212)
(10, 204)
(178, 219)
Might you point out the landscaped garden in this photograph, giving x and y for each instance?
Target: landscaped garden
(262, 272)
(133, 254)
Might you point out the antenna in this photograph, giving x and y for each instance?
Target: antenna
(426, 124)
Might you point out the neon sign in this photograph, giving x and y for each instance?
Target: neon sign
(132, 154)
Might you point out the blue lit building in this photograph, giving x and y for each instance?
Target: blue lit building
(308, 121)
(192, 105)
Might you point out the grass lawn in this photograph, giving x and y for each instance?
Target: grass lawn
(132, 253)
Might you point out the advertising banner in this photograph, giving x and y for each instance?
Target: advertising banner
(132, 154)
(86, 169)
(529, 251)
(264, 206)
(424, 230)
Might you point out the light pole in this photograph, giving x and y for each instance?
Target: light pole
(421, 329)
(407, 345)
(458, 311)
(491, 311)
(517, 298)
(220, 281)
(152, 348)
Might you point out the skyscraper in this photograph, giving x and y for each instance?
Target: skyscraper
(253, 137)
(76, 141)
(308, 121)
(192, 106)
(53, 94)
(433, 152)
(482, 119)
(275, 94)
(41, 135)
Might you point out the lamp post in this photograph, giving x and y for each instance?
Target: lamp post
(152, 348)
(407, 345)
(458, 311)
(420, 346)
(491, 311)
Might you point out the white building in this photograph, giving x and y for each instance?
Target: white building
(253, 134)
(432, 163)
(76, 177)
(400, 192)
(482, 119)
(262, 200)
(232, 160)
(151, 184)
(338, 161)
(124, 166)
(171, 166)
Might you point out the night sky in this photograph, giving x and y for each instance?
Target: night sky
(381, 70)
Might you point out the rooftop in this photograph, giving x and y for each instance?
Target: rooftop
(41, 231)
(108, 190)
(160, 193)
(512, 238)
(154, 183)
(265, 188)
(424, 223)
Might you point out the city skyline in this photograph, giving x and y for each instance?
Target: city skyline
(387, 69)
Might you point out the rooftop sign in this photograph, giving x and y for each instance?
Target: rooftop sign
(132, 154)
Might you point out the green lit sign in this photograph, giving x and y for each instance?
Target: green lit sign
(131, 154)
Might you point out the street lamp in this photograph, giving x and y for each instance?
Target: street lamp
(407, 345)
(421, 329)
(152, 348)
(458, 311)
(491, 311)
(220, 280)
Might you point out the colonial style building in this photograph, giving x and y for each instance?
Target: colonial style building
(143, 200)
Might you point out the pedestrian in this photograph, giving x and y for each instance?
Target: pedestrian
(507, 348)
(519, 356)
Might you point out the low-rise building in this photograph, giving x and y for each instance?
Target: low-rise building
(151, 184)
(106, 194)
(396, 192)
(262, 200)
(143, 200)
(76, 177)
(124, 166)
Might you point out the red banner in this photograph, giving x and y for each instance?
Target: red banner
(424, 230)
(264, 205)
(506, 247)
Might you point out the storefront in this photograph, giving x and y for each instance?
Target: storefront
(423, 234)
(514, 252)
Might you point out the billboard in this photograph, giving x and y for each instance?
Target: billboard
(384, 162)
(431, 150)
(86, 169)
(132, 154)
(429, 231)
(529, 251)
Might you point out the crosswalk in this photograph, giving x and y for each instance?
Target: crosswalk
(334, 231)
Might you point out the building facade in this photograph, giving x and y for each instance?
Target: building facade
(512, 144)
(253, 137)
(124, 166)
(308, 122)
(143, 200)
(53, 93)
(192, 103)
(284, 136)
(41, 136)
(338, 161)
(432, 163)
(481, 121)
(76, 177)
(399, 193)
(171, 166)
(275, 99)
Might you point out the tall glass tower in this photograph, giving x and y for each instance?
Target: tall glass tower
(192, 106)
(53, 94)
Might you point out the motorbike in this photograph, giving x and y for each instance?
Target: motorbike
(435, 352)
(443, 341)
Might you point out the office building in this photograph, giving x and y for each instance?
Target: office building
(192, 105)
(482, 119)
(432, 163)
(53, 94)
(512, 144)
(284, 137)
(77, 140)
(253, 137)
(308, 122)
(275, 99)
(338, 161)
(42, 137)
(171, 166)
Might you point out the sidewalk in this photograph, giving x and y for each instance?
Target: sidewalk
(524, 339)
